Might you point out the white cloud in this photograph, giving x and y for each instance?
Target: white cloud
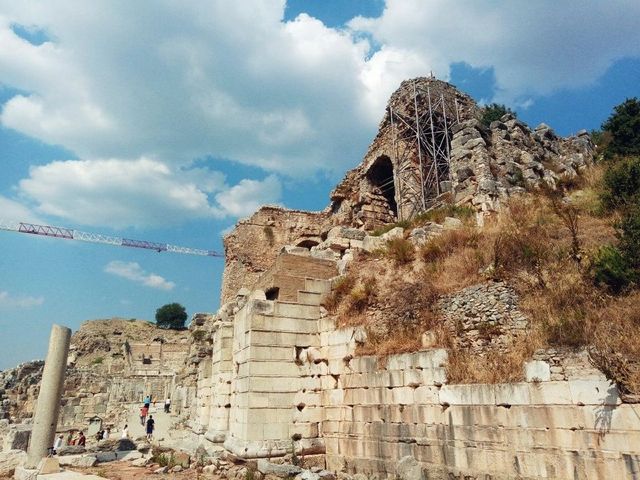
(227, 79)
(534, 47)
(232, 80)
(13, 210)
(8, 300)
(245, 197)
(141, 193)
(134, 272)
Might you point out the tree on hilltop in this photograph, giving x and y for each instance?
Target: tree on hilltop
(624, 127)
(493, 112)
(171, 315)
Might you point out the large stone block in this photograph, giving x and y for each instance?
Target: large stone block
(550, 393)
(478, 394)
(11, 459)
(537, 370)
(593, 392)
(512, 394)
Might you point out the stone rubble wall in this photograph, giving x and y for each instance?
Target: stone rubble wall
(484, 316)
(488, 164)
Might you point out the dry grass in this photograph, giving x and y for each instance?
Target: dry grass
(401, 341)
(543, 249)
(341, 288)
(401, 251)
(616, 344)
(493, 367)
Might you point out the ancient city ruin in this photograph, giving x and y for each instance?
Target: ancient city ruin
(274, 383)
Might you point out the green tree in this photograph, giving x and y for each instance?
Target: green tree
(171, 315)
(622, 183)
(624, 126)
(493, 112)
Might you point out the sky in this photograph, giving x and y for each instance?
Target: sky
(169, 121)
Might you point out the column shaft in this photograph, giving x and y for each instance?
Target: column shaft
(48, 407)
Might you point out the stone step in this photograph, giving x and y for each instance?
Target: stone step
(309, 298)
(296, 310)
(317, 285)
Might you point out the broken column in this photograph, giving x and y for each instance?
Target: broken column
(48, 406)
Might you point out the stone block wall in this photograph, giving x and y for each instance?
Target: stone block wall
(376, 413)
(283, 376)
(289, 273)
(268, 385)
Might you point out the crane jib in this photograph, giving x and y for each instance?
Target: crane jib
(71, 234)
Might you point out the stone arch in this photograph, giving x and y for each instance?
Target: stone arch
(381, 177)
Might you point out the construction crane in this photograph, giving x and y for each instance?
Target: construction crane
(71, 234)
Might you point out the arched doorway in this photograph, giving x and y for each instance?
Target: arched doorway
(380, 175)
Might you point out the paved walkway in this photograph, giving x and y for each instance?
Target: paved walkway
(163, 423)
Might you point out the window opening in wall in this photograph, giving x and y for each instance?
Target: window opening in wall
(272, 293)
(380, 175)
(307, 244)
(146, 360)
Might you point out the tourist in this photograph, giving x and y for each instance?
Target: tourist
(82, 441)
(150, 427)
(57, 444)
(125, 432)
(144, 411)
(147, 401)
(105, 434)
(71, 439)
(99, 434)
(167, 405)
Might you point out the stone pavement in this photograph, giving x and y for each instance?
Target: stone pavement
(163, 423)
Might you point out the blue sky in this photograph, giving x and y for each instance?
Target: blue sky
(168, 122)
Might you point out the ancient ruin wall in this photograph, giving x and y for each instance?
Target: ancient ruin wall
(379, 413)
(253, 245)
(112, 363)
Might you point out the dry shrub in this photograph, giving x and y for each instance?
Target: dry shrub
(458, 271)
(524, 238)
(341, 288)
(401, 250)
(616, 343)
(412, 305)
(564, 307)
(448, 242)
(361, 296)
(403, 340)
(463, 366)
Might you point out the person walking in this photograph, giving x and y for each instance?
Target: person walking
(167, 405)
(144, 411)
(150, 427)
(125, 432)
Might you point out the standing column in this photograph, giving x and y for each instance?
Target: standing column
(48, 407)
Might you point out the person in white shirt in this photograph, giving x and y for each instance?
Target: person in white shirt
(125, 432)
(58, 443)
(105, 434)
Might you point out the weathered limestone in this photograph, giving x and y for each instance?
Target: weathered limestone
(46, 415)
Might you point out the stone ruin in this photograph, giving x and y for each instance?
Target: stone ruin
(271, 378)
(431, 149)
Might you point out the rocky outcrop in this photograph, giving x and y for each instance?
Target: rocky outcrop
(488, 164)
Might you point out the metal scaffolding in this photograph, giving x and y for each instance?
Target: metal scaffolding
(421, 144)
